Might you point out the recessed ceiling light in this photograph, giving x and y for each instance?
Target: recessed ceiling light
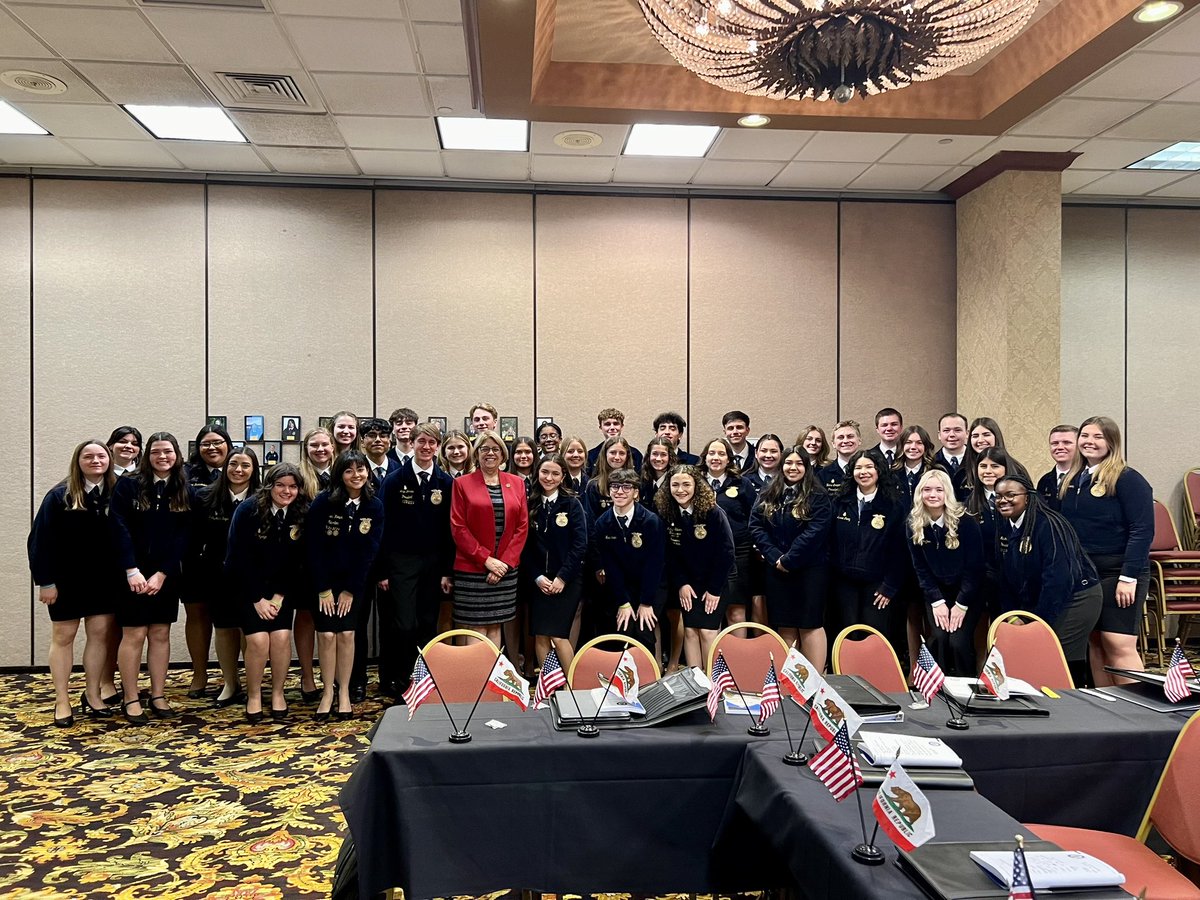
(461, 133)
(670, 140)
(1158, 11)
(754, 120)
(187, 123)
(12, 121)
(1184, 155)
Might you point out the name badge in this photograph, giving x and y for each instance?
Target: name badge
(435, 496)
(877, 521)
(561, 520)
(364, 526)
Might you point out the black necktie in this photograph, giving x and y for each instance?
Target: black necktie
(953, 464)
(912, 481)
(891, 456)
(937, 534)
(716, 485)
(861, 506)
(456, 474)
(279, 515)
(160, 489)
(545, 515)
(94, 493)
(424, 476)
(380, 473)
(789, 495)
(992, 501)
(624, 520)
(578, 482)
(1058, 484)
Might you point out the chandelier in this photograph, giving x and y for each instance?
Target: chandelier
(822, 49)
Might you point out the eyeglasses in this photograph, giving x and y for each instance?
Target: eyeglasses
(1011, 495)
(489, 451)
(620, 488)
(212, 445)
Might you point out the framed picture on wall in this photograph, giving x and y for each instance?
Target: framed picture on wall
(192, 448)
(508, 428)
(543, 420)
(254, 428)
(238, 445)
(271, 451)
(467, 427)
(219, 421)
(289, 429)
(326, 422)
(440, 422)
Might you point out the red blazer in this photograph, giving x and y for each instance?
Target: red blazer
(473, 525)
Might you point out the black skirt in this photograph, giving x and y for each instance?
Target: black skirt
(552, 615)
(252, 624)
(797, 599)
(138, 610)
(696, 617)
(79, 601)
(335, 623)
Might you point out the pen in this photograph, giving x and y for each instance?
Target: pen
(1049, 693)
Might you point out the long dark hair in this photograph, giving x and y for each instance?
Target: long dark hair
(927, 458)
(177, 484)
(883, 486)
(1060, 530)
(262, 500)
(216, 496)
(536, 494)
(971, 457)
(195, 459)
(120, 432)
(338, 495)
(771, 499)
(648, 473)
(703, 500)
(976, 500)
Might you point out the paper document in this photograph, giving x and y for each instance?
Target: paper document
(614, 704)
(1050, 870)
(734, 705)
(879, 749)
(961, 688)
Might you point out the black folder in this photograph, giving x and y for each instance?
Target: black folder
(866, 699)
(668, 698)
(945, 871)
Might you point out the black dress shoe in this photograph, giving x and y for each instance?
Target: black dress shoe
(278, 714)
(111, 699)
(239, 697)
(159, 713)
(343, 716)
(310, 696)
(139, 719)
(64, 721)
(92, 712)
(197, 693)
(358, 694)
(254, 717)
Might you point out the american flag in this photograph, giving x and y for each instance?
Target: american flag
(550, 679)
(927, 674)
(770, 695)
(1175, 687)
(836, 766)
(420, 688)
(1022, 887)
(722, 681)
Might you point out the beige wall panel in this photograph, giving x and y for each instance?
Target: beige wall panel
(454, 303)
(289, 305)
(611, 311)
(763, 315)
(1093, 313)
(1164, 270)
(17, 606)
(118, 318)
(898, 319)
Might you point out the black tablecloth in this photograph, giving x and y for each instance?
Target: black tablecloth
(639, 810)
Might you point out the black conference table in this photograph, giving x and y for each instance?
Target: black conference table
(640, 810)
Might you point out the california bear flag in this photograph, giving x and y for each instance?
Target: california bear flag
(903, 810)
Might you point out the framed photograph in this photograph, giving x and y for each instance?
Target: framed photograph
(271, 453)
(289, 429)
(542, 420)
(326, 422)
(238, 445)
(191, 449)
(219, 421)
(508, 428)
(467, 427)
(440, 422)
(254, 428)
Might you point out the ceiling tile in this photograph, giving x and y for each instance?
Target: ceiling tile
(83, 120)
(1105, 153)
(950, 175)
(389, 132)
(1077, 118)
(226, 41)
(133, 83)
(884, 177)
(37, 150)
(210, 156)
(931, 149)
(1181, 36)
(443, 48)
(289, 129)
(399, 163)
(118, 34)
(655, 169)
(434, 10)
(78, 90)
(1189, 94)
(581, 169)
(1018, 142)
(474, 164)
(1188, 187)
(232, 98)
(125, 154)
(352, 45)
(357, 9)
(16, 41)
(758, 144)
(541, 138)
(742, 173)
(1130, 183)
(1142, 76)
(818, 175)
(380, 95)
(93, 2)
(848, 146)
(451, 95)
(1072, 180)
(298, 161)
(1166, 121)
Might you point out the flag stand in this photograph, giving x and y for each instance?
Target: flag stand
(463, 736)
(758, 729)
(795, 757)
(590, 729)
(866, 852)
(457, 736)
(956, 721)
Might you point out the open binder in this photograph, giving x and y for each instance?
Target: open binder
(668, 698)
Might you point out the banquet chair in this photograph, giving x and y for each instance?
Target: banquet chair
(1191, 508)
(1172, 811)
(1174, 578)
(1031, 650)
(595, 661)
(748, 658)
(871, 657)
(460, 671)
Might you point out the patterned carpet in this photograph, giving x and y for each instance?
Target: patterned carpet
(203, 806)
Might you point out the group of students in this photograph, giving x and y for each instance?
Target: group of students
(541, 542)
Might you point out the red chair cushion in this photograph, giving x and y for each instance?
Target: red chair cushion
(1141, 866)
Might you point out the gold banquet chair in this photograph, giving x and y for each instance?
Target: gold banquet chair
(748, 658)
(595, 661)
(460, 670)
(872, 657)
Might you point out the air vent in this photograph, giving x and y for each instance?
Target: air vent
(260, 91)
(33, 82)
(237, 4)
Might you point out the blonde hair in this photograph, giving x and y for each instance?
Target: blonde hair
(455, 434)
(919, 518)
(308, 472)
(494, 437)
(1109, 469)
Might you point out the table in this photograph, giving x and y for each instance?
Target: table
(640, 810)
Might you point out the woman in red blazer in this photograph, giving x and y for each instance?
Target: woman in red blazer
(489, 518)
